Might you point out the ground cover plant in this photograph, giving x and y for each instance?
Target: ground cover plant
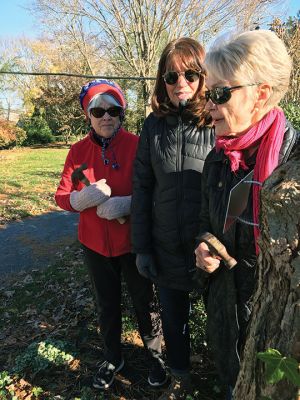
(49, 334)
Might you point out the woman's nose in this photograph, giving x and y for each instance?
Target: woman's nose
(209, 105)
(106, 116)
(181, 80)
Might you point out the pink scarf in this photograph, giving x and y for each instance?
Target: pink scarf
(271, 130)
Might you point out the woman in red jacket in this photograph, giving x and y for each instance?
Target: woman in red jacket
(108, 152)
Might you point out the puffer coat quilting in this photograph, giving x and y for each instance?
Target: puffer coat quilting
(167, 195)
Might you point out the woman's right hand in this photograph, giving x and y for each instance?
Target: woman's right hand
(205, 260)
(90, 196)
(146, 266)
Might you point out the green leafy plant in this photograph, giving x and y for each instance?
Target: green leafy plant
(36, 391)
(292, 113)
(40, 355)
(5, 379)
(279, 367)
(197, 323)
(128, 323)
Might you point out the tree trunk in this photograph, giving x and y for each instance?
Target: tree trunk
(146, 89)
(276, 318)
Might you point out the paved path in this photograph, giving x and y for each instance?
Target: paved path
(33, 242)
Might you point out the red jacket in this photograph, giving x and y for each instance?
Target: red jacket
(109, 238)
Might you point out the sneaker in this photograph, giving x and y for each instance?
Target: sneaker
(178, 389)
(157, 374)
(106, 374)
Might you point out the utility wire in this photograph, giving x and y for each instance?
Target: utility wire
(139, 78)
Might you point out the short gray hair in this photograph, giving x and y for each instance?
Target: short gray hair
(258, 56)
(101, 98)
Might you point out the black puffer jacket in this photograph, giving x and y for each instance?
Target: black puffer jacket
(229, 291)
(167, 195)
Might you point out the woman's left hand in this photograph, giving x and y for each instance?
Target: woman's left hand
(204, 259)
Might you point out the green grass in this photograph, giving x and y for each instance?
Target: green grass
(28, 181)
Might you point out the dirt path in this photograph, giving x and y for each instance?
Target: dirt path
(34, 242)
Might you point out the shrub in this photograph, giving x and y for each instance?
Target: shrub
(37, 129)
(10, 134)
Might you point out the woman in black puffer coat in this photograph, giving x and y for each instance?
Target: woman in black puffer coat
(166, 201)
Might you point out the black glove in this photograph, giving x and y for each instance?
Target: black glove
(146, 265)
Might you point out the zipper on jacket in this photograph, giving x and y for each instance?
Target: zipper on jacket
(106, 174)
(180, 188)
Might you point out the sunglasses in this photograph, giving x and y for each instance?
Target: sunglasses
(221, 95)
(190, 75)
(112, 111)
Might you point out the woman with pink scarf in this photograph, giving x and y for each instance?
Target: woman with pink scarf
(247, 77)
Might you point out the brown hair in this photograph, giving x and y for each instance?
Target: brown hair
(191, 54)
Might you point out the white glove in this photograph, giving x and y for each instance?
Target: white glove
(90, 196)
(115, 207)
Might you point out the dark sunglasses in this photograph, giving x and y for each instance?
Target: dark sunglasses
(221, 95)
(112, 111)
(190, 75)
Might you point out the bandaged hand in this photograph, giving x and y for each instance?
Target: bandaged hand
(90, 196)
(114, 207)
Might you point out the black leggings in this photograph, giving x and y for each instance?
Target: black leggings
(105, 275)
(175, 321)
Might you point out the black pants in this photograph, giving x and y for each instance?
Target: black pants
(175, 306)
(105, 275)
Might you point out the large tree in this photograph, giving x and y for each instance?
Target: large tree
(276, 316)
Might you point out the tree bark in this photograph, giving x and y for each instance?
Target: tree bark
(275, 319)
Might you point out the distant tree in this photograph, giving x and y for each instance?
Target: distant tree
(60, 101)
(8, 61)
(289, 32)
(56, 97)
(10, 134)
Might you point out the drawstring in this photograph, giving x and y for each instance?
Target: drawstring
(104, 143)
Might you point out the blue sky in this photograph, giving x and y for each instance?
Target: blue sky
(15, 20)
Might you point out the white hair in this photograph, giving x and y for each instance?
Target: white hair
(258, 56)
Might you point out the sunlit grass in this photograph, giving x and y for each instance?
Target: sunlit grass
(28, 180)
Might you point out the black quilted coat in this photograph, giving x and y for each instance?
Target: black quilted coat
(229, 291)
(167, 195)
